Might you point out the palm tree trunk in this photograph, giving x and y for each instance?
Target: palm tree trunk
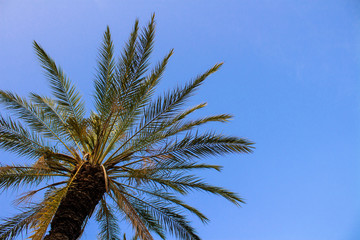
(80, 201)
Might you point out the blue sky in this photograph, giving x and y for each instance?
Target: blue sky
(290, 78)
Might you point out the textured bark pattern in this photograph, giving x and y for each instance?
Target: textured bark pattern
(80, 201)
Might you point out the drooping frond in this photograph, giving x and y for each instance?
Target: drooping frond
(109, 229)
(170, 217)
(150, 221)
(166, 197)
(35, 216)
(10, 228)
(146, 219)
(131, 214)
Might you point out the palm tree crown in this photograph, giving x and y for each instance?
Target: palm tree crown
(130, 157)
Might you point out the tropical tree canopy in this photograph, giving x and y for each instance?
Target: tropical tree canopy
(131, 157)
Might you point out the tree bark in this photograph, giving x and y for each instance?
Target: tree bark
(80, 201)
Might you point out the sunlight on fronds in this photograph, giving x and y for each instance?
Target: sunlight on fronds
(46, 212)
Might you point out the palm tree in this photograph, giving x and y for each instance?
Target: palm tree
(129, 158)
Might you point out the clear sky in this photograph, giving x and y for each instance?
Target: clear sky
(291, 78)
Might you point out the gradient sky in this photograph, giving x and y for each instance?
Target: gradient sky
(291, 78)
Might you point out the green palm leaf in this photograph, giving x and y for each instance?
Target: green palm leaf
(105, 90)
(58, 117)
(170, 198)
(65, 93)
(16, 138)
(109, 229)
(131, 214)
(32, 115)
(170, 218)
(14, 226)
(16, 176)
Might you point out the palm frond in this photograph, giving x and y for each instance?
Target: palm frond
(167, 197)
(144, 93)
(131, 214)
(189, 125)
(208, 144)
(134, 62)
(58, 117)
(50, 206)
(170, 217)
(127, 60)
(26, 197)
(105, 89)
(145, 47)
(16, 176)
(174, 165)
(164, 107)
(10, 228)
(32, 116)
(151, 223)
(173, 127)
(180, 183)
(66, 94)
(134, 89)
(16, 138)
(109, 229)
(130, 87)
(171, 101)
(199, 145)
